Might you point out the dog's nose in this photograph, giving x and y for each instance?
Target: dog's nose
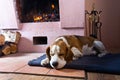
(55, 64)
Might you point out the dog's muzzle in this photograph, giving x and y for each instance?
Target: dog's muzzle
(55, 64)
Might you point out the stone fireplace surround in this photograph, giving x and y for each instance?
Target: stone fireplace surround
(71, 13)
(71, 23)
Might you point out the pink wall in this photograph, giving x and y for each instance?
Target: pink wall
(52, 29)
(110, 29)
(8, 19)
(72, 13)
(110, 18)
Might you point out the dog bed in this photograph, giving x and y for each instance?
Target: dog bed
(109, 63)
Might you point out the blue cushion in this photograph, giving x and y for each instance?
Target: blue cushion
(109, 63)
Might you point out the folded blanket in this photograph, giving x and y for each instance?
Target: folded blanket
(109, 63)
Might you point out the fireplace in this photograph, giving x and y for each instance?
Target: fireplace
(38, 10)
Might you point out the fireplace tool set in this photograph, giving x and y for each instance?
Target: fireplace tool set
(93, 24)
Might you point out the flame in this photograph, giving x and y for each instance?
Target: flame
(37, 18)
(53, 6)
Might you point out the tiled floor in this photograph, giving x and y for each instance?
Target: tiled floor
(19, 63)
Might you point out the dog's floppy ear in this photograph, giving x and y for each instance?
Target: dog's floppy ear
(48, 53)
(69, 55)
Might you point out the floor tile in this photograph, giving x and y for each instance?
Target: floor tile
(11, 67)
(33, 70)
(67, 72)
(19, 63)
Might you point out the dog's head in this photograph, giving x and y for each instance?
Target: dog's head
(59, 54)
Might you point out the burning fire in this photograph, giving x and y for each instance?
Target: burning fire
(46, 16)
(53, 6)
(37, 18)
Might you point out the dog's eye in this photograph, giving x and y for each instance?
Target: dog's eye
(52, 54)
(61, 54)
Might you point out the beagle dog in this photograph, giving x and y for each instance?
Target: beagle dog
(71, 47)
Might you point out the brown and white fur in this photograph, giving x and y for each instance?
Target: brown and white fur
(70, 47)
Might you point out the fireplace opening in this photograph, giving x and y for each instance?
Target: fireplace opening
(38, 10)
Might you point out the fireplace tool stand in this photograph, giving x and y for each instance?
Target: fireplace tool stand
(93, 24)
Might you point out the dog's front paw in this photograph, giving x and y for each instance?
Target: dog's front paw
(45, 62)
(103, 53)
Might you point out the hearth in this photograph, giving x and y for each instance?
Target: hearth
(38, 10)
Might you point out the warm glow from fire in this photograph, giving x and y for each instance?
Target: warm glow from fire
(37, 18)
(53, 6)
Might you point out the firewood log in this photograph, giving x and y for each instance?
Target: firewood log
(6, 49)
(18, 35)
(1, 54)
(2, 39)
(13, 48)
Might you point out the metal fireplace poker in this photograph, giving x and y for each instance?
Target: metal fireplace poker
(93, 24)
